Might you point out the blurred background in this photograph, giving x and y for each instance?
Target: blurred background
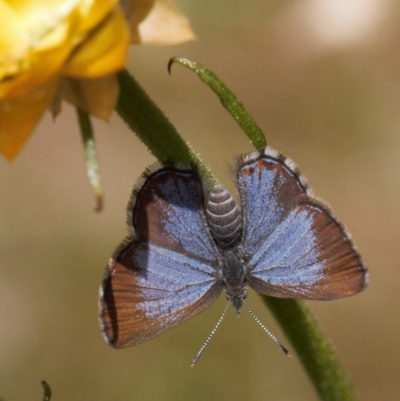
(322, 79)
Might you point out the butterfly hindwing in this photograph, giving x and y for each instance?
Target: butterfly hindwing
(294, 247)
(148, 290)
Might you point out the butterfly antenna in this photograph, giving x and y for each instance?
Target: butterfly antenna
(284, 349)
(203, 347)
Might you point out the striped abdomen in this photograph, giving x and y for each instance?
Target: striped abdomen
(223, 217)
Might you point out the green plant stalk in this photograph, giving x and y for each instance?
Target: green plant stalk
(153, 128)
(314, 350)
(92, 164)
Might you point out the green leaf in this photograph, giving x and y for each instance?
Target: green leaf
(228, 99)
(151, 126)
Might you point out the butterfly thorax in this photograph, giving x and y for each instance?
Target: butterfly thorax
(233, 276)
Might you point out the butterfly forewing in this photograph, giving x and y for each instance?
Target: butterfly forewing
(168, 273)
(168, 211)
(292, 244)
(268, 192)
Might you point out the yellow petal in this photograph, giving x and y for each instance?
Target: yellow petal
(13, 40)
(38, 74)
(41, 16)
(29, 28)
(40, 58)
(93, 12)
(95, 96)
(158, 22)
(49, 30)
(103, 52)
(18, 117)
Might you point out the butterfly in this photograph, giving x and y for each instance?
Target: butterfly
(183, 250)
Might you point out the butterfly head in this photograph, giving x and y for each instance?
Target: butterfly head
(237, 299)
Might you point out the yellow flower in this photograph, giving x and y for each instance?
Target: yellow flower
(71, 49)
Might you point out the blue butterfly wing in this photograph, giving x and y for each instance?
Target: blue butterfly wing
(148, 290)
(168, 211)
(292, 244)
(166, 272)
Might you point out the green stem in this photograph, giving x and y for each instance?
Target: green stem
(92, 164)
(153, 128)
(313, 348)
